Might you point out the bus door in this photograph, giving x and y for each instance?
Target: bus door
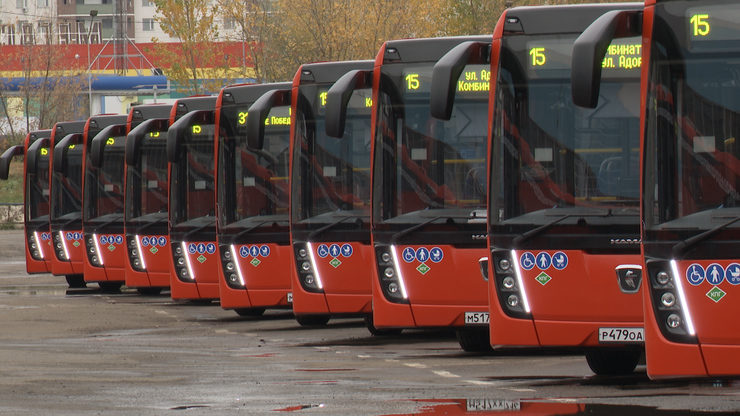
(428, 196)
(690, 177)
(146, 212)
(35, 198)
(252, 187)
(192, 217)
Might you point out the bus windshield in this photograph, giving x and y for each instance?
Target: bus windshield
(331, 176)
(426, 167)
(692, 160)
(551, 157)
(104, 185)
(146, 182)
(253, 184)
(66, 186)
(37, 187)
(192, 188)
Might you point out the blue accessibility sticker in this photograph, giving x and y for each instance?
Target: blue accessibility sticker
(201, 248)
(436, 254)
(145, 241)
(192, 249)
(334, 250)
(103, 240)
(211, 248)
(244, 251)
(322, 251)
(265, 251)
(526, 260)
(347, 250)
(409, 254)
(543, 260)
(732, 273)
(162, 241)
(119, 239)
(695, 274)
(715, 274)
(422, 254)
(254, 251)
(559, 260)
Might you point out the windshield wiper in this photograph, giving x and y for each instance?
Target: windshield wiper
(686, 244)
(406, 231)
(321, 230)
(544, 227)
(106, 223)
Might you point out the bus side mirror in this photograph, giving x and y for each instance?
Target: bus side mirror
(182, 126)
(337, 99)
(5, 160)
(97, 145)
(258, 112)
(60, 148)
(448, 69)
(136, 136)
(589, 50)
(32, 158)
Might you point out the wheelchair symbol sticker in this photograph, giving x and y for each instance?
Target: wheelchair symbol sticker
(192, 249)
(103, 240)
(543, 260)
(211, 248)
(409, 254)
(264, 251)
(145, 241)
(322, 251)
(254, 251)
(715, 274)
(244, 251)
(347, 250)
(695, 274)
(436, 254)
(422, 254)
(732, 273)
(526, 260)
(559, 260)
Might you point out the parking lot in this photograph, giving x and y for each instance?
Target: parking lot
(83, 352)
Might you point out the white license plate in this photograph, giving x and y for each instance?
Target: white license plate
(621, 335)
(473, 405)
(476, 318)
(290, 297)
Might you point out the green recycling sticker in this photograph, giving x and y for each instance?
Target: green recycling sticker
(201, 258)
(111, 247)
(335, 262)
(543, 278)
(255, 262)
(154, 250)
(423, 268)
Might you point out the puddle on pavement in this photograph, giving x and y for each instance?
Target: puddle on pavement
(482, 407)
(299, 407)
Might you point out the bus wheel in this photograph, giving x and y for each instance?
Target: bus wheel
(110, 287)
(474, 339)
(250, 311)
(610, 362)
(385, 332)
(149, 291)
(75, 281)
(312, 320)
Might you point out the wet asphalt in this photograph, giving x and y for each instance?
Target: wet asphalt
(84, 352)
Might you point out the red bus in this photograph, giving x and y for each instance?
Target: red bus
(563, 192)
(145, 199)
(192, 206)
(35, 197)
(252, 188)
(103, 202)
(428, 197)
(329, 197)
(70, 154)
(690, 175)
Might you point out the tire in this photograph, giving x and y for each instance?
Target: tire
(75, 281)
(312, 320)
(474, 340)
(385, 332)
(612, 362)
(250, 311)
(110, 287)
(149, 291)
